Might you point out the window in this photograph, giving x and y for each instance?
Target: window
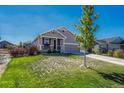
(46, 41)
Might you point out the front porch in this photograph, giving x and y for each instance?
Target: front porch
(50, 44)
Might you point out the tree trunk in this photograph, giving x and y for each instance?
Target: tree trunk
(84, 63)
(85, 60)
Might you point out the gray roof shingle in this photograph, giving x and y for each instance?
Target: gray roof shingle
(112, 40)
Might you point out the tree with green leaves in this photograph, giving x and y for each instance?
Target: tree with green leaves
(87, 29)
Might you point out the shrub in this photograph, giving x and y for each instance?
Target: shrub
(15, 52)
(33, 50)
(110, 53)
(49, 51)
(97, 49)
(55, 51)
(118, 53)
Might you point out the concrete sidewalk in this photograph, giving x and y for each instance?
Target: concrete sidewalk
(107, 59)
(4, 60)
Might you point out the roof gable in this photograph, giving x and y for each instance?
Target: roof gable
(70, 38)
(52, 33)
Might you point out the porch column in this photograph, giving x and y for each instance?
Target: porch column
(41, 40)
(56, 44)
(63, 46)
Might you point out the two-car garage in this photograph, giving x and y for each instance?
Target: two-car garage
(72, 48)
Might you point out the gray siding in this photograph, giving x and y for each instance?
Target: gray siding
(113, 46)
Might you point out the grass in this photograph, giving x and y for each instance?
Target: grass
(17, 74)
(61, 71)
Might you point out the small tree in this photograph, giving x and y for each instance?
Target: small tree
(20, 44)
(86, 38)
(97, 49)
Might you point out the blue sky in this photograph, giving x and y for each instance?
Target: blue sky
(24, 23)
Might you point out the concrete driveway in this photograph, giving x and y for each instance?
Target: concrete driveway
(107, 59)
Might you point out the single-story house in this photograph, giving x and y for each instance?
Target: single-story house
(59, 39)
(5, 44)
(112, 43)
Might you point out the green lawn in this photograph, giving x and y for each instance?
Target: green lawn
(61, 71)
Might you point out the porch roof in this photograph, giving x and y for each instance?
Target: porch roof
(52, 34)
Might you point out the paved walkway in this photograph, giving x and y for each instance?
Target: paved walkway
(107, 59)
(4, 60)
(2, 67)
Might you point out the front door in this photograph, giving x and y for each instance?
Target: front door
(54, 44)
(58, 45)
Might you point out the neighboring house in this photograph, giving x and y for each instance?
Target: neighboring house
(59, 39)
(5, 44)
(111, 43)
(27, 44)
